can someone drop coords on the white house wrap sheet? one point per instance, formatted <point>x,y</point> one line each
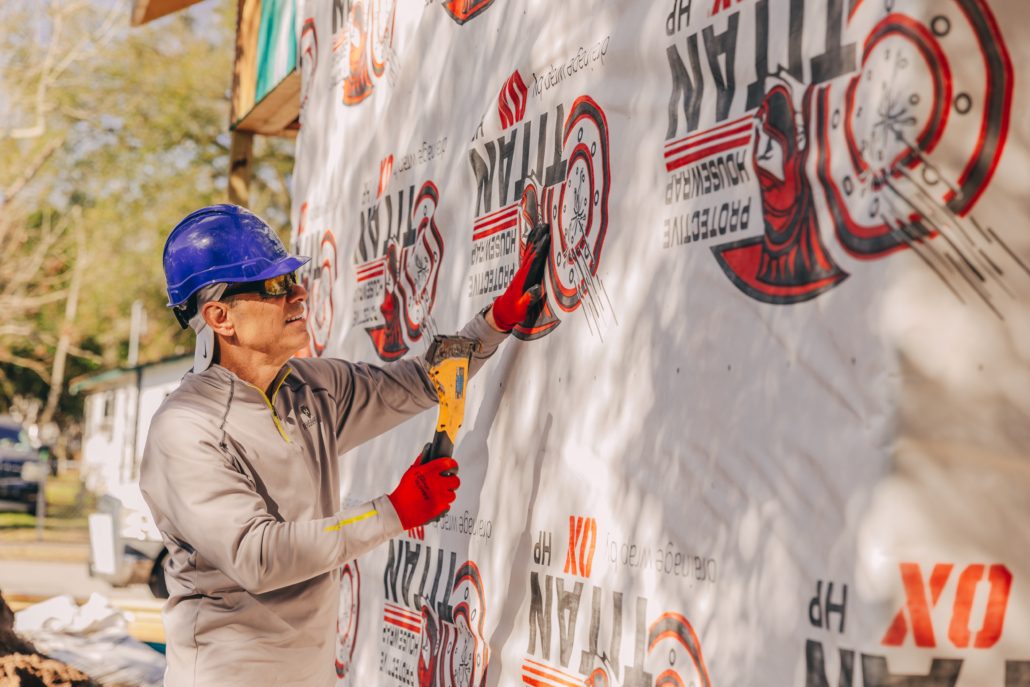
<point>771,427</point>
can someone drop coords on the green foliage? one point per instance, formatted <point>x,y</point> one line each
<point>137,121</point>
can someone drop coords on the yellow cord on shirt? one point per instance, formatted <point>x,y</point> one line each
<point>350,521</point>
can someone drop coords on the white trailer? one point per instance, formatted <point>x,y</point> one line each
<point>125,546</point>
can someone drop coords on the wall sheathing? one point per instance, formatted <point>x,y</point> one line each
<point>771,428</point>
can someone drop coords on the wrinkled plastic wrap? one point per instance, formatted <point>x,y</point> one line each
<point>771,427</point>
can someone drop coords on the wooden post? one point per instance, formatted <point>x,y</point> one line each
<point>240,153</point>
<point>245,65</point>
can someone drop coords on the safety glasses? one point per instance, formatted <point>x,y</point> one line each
<point>268,288</point>
<point>273,287</point>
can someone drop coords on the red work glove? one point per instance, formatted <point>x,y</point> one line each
<point>425,492</point>
<point>526,288</point>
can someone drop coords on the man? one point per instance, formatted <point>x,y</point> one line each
<point>241,464</point>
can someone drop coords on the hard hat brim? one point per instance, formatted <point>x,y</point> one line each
<point>285,265</point>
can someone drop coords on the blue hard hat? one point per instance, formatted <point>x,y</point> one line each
<point>222,243</point>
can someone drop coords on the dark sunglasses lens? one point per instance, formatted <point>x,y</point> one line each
<point>279,286</point>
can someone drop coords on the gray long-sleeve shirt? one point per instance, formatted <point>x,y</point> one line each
<point>245,490</point>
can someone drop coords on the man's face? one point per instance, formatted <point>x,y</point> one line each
<point>275,326</point>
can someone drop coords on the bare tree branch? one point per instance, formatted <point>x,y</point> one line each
<point>31,302</point>
<point>53,65</point>
<point>84,354</point>
<point>39,127</point>
<point>70,308</point>
<point>28,363</point>
<point>19,329</point>
<point>22,272</point>
<point>6,385</point>
<point>31,170</point>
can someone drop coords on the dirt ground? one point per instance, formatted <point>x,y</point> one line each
<point>35,670</point>
<point>21,665</point>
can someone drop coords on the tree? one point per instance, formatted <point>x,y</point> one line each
<point>112,135</point>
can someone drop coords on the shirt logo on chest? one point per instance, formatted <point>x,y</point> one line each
<point>308,418</point>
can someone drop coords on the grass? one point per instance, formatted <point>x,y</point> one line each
<point>68,506</point>
<point>16,520</point>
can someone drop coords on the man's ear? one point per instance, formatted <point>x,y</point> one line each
<point>218,318</point>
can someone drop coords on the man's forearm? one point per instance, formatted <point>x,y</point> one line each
<point>271,555</point>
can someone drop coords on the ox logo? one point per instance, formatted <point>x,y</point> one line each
<point>582,542</point>
<point>918,608</point>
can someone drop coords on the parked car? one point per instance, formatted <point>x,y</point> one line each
<point>21,466</point>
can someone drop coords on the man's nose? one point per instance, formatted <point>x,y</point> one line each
<point>298,294</point>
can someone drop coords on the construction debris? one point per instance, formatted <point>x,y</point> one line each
<point>92,638</point>
<point>22,665</point>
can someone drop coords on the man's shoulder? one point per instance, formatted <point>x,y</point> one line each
<point>302,365</point>
<point>319,372</point>
<point>176,432</point>
<point>179,422</point>
<point>185,413</point>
